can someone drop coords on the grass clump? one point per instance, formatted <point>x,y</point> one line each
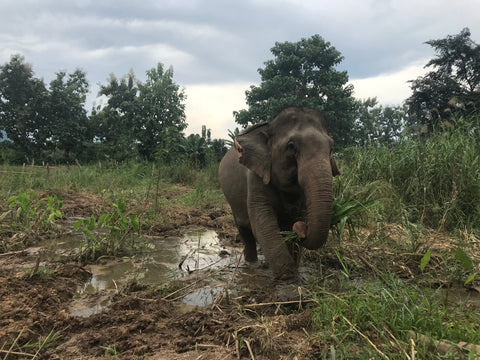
<point>380,318</point>
<point>435,179</point>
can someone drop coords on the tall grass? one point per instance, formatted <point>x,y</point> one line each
<point>103,176</point>
<point>436,180</point>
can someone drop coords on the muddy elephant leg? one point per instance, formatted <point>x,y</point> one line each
<point>250,251</point>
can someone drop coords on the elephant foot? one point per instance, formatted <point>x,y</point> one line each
<point>250,256</point>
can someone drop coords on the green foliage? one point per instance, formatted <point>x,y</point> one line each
<point>161,103</point>
<point>435,180</point>
<point>303,74</point>
<point>203,198</point>
<point>425,260</point>
<point>451,88</point>
<point>110,234</point>
<point>382,310</point>
<point>67,117</point>
<point>378,125</point>
<point>23,100</point>
<point>465,263</point>
<point>30,213</point>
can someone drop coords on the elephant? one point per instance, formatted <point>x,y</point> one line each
<point>277,177</point>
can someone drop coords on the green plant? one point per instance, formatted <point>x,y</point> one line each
<point>377,317</point>
<point>28,210</point>
<point>458,265</point>
<point>110,234</point>
<point>434,178</point>
<point>28,216</point>
<point>464,262</point>
<point>112,351</point>
<point>41,345</point>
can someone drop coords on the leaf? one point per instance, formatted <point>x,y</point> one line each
<point>101,220</point>
<point>77,224</point>
<point>463,258</point>
<point>425,260</point>
<point>135,222</point>
<point>470,278</point>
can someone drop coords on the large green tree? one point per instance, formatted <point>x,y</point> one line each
<point>66,114</point>
<point>23,101</point>
<point>303,74</point>
<point>161,106</point>
<point>139,117</point>
<point>452,87</point>
<point>115,123</point>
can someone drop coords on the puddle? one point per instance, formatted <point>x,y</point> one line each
<point>167,258</point>
<point>202,297</point>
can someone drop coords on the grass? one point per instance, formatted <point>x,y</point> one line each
<point>434,180</point>
<point>379,318</point>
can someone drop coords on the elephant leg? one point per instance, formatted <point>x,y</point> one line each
<point>250,251</point>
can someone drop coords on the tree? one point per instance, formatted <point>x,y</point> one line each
<point>140,117</point>
<point>452,87</point>
<point>303,74</point>
<point>22,108</point>
<point>161,106</point>
<point>115,123</point>
<point>196,150</point>
<point>378,125</point>
<point>67,117</point>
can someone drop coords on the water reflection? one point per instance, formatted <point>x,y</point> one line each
<point>167,258</point>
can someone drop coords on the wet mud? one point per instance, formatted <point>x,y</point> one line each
<point>189,296</point>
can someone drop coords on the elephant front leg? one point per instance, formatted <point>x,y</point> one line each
<point>250,251</point>
<point>267,232</point>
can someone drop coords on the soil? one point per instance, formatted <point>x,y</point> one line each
<point>145,322</point>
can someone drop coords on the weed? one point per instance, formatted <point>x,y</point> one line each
<point>116,240</point>
<point>41,345</point>
<point>111,351</point>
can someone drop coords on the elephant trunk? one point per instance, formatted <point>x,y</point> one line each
<point>317,186</point>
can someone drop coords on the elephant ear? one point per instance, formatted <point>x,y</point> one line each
<point>253,151</point>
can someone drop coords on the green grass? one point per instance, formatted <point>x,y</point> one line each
<point>434,180</point>
<point>102,176</point>
<point>380,316</point>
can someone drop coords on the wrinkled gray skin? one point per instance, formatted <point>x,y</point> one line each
<point>276,177</point>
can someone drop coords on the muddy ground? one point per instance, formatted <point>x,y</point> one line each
<point>38,290</point>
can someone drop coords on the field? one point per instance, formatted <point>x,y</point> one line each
<point>386,286</point>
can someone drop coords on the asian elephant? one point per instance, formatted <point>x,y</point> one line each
<point>278,177</point>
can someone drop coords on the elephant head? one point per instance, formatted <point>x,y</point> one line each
<point>293,154</point>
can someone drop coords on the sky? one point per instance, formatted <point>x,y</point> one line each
<point>216,46</point>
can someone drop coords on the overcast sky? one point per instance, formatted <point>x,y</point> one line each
<point>216,46</point>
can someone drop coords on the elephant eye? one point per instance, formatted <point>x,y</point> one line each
<point>291,147</point>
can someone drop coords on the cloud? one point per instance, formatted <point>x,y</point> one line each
<point>389,88</point>
<point>213,106</point>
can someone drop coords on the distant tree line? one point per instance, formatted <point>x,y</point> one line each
<point>146,120</point>
<point>140,120</point>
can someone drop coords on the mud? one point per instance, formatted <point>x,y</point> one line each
<point>183,300</point>
<point>190,297</point>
